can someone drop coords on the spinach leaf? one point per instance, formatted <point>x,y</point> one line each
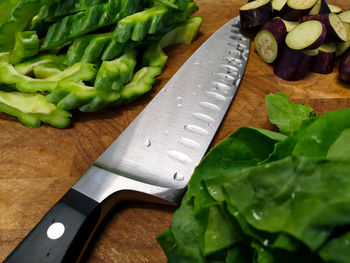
<point>337,249</point>
<point>287,115</point>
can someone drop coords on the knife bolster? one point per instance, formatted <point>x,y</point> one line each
<point>62,234</point>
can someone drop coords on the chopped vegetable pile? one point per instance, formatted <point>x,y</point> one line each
<point>263,196</point>
<point>59,55</point>
<point>299,37</point>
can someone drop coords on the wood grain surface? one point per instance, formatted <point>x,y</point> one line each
<point>37,166</point>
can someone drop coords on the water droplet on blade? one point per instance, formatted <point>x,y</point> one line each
<point>147,142</point>
<point>178,177</point>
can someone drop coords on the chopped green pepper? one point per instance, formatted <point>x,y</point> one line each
<point>183,34</point>
<point>86,21</point>
<point>26,46</point>
<point>32,108</point>
<point>77,72</point>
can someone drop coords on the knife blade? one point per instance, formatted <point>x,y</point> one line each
<point>154,158</point>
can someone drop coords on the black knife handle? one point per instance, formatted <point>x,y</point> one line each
<point>62,234</point>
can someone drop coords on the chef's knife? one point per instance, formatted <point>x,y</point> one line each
<point>154,158</point>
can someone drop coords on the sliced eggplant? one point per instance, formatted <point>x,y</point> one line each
<point>344,68</point>
<point>316,9</point>
<point>324,61</point>
<point>255,13</point>
<point>306,35</point>
<point>335,9</point>
<point>336,30</point>
<point>342,47</point>
<point>277,5</point>
<point>345,16</point>
<point>290,24</point>
<point>294,9</point>
<point>293,65</point>
<point>269,38</point>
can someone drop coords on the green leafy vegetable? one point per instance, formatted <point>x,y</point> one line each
<point>287,115</point>
<point>261,196</point>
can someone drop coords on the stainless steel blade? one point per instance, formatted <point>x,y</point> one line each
<point>162,146</point>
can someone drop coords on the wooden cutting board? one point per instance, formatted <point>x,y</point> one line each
<point>37,166</point>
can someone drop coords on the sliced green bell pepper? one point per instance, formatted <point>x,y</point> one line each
<point>26,46</point>
<point>32,108</point>
<point>154,55</point>
<point>89,20</point>
<point>77,72</point>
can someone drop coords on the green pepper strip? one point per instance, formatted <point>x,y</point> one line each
<point>19,17</point>
<point>86,21</point>
<point>32,108</point>
<point>26,46</point>
<point>77,72</point>
<point>154,56</point>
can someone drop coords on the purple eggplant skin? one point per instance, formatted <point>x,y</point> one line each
<point>324,19</point>
<point>256,17</point>
<point>291,14</point>
<point>344,68</point>
<point>277,28</point>
<point>324,62</point>
<point>292,65</point>
<point>324,8</point>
